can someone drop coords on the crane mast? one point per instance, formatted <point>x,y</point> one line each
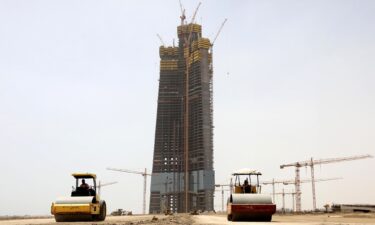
<point>182,17</point>
<point>222,193</point>
<point>144,174</point>
<point>283,193</point>
<point>286,182</point>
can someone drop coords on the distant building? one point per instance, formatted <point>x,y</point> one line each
<point>353,208</point>
<point>193,59</point>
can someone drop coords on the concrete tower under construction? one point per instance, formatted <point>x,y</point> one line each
<point>183,174</point>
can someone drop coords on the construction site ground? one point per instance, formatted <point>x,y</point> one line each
<point>308,219</point>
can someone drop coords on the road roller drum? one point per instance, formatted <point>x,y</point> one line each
<point>84,204</point>
<point>246,201</point>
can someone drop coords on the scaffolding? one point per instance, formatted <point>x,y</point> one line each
<point>182,175</point>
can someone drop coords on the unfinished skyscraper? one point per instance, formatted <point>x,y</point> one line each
<point>182,174</point>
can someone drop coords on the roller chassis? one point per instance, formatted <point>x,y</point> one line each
<point>81,206</point>
<point>249,205</point>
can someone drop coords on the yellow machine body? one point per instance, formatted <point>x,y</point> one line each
<point>75,208</point>
<point>81,205</point>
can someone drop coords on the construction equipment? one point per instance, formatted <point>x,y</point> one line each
<point>222,193</point>
<point>144,174</point>
<point>283,193</point>
<point>100,185</point>
<point>182,17</point>
<point>217,34</point>
<point>286,182</point>
<point>311,163</point>
<point>161,40</point>
<point>121,212</point>
<point>83,204</point>
<point>246,201</point>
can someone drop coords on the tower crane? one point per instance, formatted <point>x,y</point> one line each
<point>161,40</point>
<point>311,163</point>
<point>144,174</point>
<point>286,182</point>
<point>182,17</point>
<point>283,193</point>
<point>222,193</point>
<point>217,34</point>
<point>104,184</point>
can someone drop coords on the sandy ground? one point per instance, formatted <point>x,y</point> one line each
<point>110,220</point>
<point>319,219</point>
<point>217,219</point>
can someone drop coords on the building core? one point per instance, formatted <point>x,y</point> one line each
<point>183,177</point>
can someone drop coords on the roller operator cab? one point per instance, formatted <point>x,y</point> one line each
<point>84,204</point>
<point>246,201</point>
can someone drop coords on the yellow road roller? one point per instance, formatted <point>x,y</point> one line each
<point>246,201</point>
<point>84,204</point>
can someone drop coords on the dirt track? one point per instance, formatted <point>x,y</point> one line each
<point>110,220</point>
<point>320,219</point>
<point>217,219</point>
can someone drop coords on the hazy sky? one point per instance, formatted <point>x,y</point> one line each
<point>79,81</point>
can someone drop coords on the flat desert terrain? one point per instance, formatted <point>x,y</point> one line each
<point>213,219</point>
